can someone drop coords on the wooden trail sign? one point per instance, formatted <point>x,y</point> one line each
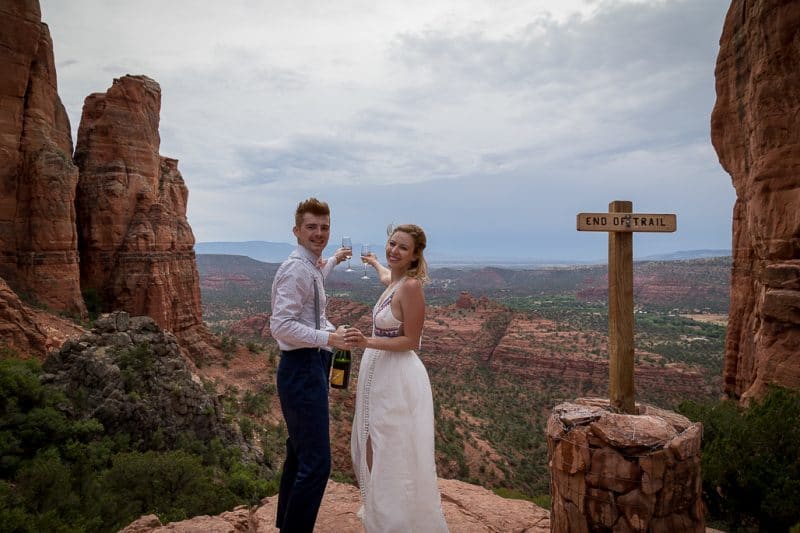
<point>626,222</point>
<point>620,223</point>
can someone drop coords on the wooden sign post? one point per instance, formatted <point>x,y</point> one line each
<point>620,223</point>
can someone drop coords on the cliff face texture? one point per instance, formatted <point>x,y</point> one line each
<point>125,218</point>
<point>38,240</point>
<point>754,128</point>
<point>18,328</point>
<point>136,246</point>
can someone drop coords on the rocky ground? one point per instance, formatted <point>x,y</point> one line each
<point>467,509</point>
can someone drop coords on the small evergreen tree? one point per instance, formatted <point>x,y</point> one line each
<point>751,460</point>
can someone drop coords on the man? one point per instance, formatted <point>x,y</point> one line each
<point>304,335</point>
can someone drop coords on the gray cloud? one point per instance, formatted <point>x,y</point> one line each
<point>492,140</point>
<point>332,160</point>
<point>621,38</point>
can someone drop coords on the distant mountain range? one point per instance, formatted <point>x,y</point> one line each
<point>276,252</point>
<point>267,252</point>
<point>686,254</point>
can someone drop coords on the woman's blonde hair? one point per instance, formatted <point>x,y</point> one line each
<point>419,267</point>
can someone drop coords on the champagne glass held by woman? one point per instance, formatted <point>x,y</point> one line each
<point>365,253</point>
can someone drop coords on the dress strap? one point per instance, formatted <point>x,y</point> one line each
<point>388,299</point>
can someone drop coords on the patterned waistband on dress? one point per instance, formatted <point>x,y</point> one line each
<point>379,332</point>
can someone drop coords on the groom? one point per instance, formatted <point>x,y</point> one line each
<point>304,335</point>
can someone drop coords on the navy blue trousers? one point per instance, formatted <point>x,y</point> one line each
<point>303,392</point>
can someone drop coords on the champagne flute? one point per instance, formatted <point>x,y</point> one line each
<point>365,251</point>
<point>347,243</point>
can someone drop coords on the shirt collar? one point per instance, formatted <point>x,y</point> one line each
<point>305,253</point>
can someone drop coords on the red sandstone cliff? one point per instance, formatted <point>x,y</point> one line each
<point>126,215</point>
<point>38,240</point>
<point>756,133</point>
<point>136,246</point>
<point>532,349</point>
<point>18,328</point>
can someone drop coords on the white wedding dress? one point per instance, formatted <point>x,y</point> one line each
<point>394,415</point>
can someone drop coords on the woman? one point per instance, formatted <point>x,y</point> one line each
<point>392,441</point>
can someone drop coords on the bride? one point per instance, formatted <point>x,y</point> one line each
<point>392,444</point>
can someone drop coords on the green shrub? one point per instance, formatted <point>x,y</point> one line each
<point>134,363</point>
<point>175,485</point>
<point>258,402</point>
<point>228,346</point>
<point>7,352</point>
<point>63,475</point>
<point>751,459</point>
<point>94,302</point>
<point>247,427</point>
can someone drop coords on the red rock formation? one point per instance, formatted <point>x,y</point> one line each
<point>536,349</point>
<point>38,241</point>
<point>754,128</point>
<point>136,246</point>
<point>513,344</point>
<point>18,328</point>
<point>465,300</point>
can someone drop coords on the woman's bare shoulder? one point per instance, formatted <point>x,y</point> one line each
<point>411,284</point>
<point>411,291</point>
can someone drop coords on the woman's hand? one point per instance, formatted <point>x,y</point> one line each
<point>354,337</point>
<point>371,259</point>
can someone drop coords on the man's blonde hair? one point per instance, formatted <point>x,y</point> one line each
<point>313,206</point>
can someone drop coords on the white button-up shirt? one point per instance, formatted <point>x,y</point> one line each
<point>293,323</point>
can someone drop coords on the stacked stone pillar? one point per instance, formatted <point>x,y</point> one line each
<point>623,473</point>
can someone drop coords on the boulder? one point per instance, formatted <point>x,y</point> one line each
<point>137,382</point>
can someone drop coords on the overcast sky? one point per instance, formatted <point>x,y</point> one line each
<point>491,123</point>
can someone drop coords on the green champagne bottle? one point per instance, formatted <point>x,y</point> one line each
<point>340,370</point>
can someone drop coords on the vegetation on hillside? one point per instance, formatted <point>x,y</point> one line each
<point>490,426</point>
<point>751,461</point>
<point>234,287</point>
<point>60,474</point>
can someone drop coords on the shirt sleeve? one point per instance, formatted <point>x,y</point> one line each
<point>330,264</point>
<point>292,288</point>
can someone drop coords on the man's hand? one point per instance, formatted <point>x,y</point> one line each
<point>341,254</point>
<point>336,339</point>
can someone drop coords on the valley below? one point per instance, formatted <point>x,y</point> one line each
<point>502,348</point>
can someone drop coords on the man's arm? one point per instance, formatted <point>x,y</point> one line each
<point>329,264</point>
<point>291,289</point>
